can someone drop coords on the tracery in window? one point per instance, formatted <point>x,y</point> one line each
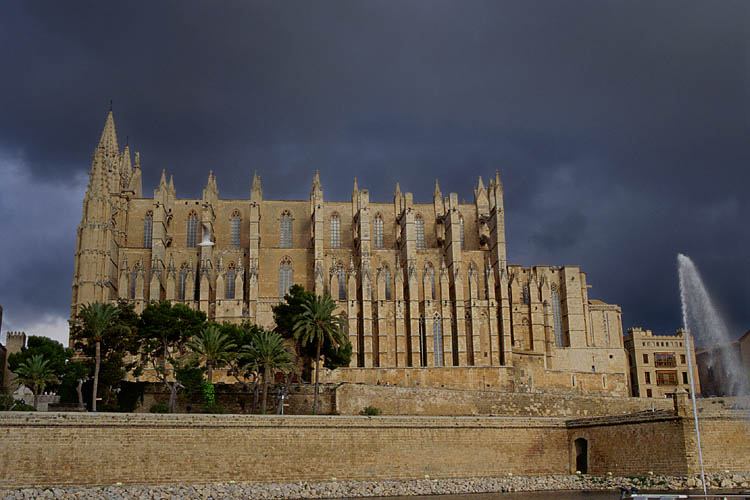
<point>192,229</point>
<point>419,229</point>
<point>285,230</point>
<point>148,229</point>
<point>234,233</point>
<point>231,276</point>
<point>335,231</point>
<point>437,339</point>
<point>378,231</point>
<point>285,276</point>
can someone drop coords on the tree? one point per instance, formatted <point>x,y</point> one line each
<point>285,315</point>
<point>240,364</point>
<point>211,347</point>
<point>318,324</point>
<point>35,373</point>
<point>163,332</point>
<point>96,318</point>
<point>268,355</point>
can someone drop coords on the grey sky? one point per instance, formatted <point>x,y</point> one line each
<point>620,129</point>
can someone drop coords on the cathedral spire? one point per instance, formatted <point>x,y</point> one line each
<point>108,140</point>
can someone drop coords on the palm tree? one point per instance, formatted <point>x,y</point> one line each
<point>96,318</point>
<point>317,324</point>
<point>211,347</point>
<point>268,355</point>
<point>35,373</point>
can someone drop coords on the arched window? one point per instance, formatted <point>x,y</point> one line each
<point>234,232</point>
<point>437,339</point>
<point>192,230</point>
<point>378,231</point>
<point>148,229</point>
<point>557,314</point>
<point>231,276</point>
<point>342,283</point>
<point>133,278</point>
<point>182,280</point>
<point>525,294</point>
<point>461,231</point>
<point>422,342</point>
<point>335,231</point>
<point>285,276</point>
<point>285,230</point>
<point>430,273</point>
<point>387,277</point>
<point>419,228</point>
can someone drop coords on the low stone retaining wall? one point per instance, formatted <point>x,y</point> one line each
<point>356,489</point>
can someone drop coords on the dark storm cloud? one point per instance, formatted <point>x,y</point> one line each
<point>619,128</point>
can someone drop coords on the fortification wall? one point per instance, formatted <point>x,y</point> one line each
<point>85,449</point>
<point>499,378</point>
<point>352,398</point>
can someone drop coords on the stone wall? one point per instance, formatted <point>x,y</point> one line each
<point>352,398</point>
<point>86,449</point>
<point>501,378</point>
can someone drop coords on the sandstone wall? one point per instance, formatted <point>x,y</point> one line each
<point>352,398</point>
<point>86,449</point>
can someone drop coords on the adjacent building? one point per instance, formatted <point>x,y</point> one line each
<point>423,285</point>
<point>659,363</point>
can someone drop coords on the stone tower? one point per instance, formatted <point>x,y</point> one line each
<point>102,231</point>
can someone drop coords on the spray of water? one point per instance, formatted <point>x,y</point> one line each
<point>703,321</point>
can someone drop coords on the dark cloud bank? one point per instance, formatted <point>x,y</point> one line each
<point>620,129</point>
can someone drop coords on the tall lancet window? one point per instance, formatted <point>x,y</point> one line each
<point>557,315</point>
<point>192,230</point>
<point>419,228</point>
<point>285,230</point>
<point>335,231</point>
<point>231,276</point>
<point>437,339</point>
<point>461,231</point>
<point>342,283</point>
<point>181,281</point>
<point>378,231</point>
<point>148,229</point>
<point>525,294</point>
<point>285,276</point>
<point>133,279</point>
<point>234,233</point>
<point>387,277</point>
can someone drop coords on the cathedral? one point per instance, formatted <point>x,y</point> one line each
<point>427,289</point>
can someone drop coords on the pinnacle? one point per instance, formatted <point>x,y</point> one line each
<point>163,179</point>
<point>437,187</point>
<point>108,140</point>
<point>356,186</point>
<point>480,185</point>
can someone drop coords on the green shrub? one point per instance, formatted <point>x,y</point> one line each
<point>159,408</point>
<point>6,401</point>
<point>23,407</point>
<point>214,408</point>
<point>370,411</point>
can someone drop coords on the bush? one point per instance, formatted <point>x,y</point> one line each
<point>23,407</point>
<point>6,401</point>
<point>370,411</point>
<point>159,408</point>
<point>214,408</point>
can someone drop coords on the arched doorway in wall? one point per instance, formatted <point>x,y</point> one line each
<point>581,450</point>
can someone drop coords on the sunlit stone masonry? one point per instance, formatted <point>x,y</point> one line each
<point>427,289</point>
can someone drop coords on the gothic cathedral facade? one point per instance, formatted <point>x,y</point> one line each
<point>423,285</point>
